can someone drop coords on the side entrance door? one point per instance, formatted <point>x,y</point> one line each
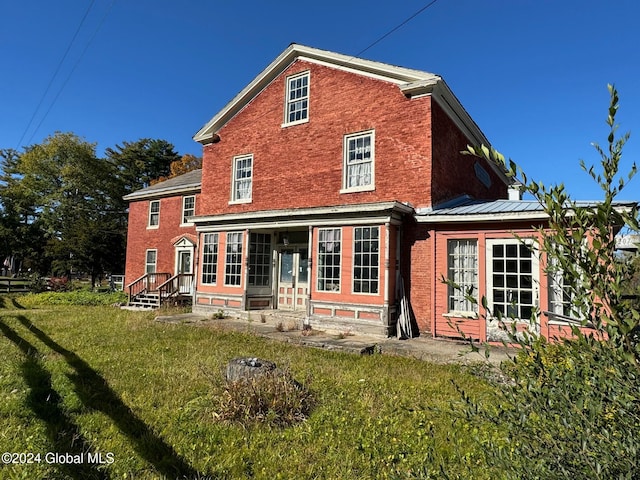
<point>293,281</point>
<point>185,266</point>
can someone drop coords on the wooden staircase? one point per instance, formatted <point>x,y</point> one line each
<point>154,290</point>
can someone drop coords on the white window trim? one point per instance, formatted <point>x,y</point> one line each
<point>339,290</point>
<point>146,261</point>
<point>535,269</point>
<point>345,150</point>
<point>183,224</point>
<point>241,263</point>
<point>234,166</point>
<point>217,258</point>
<point>286,122</point>
<point>149,226</point>
<point>463,313</point>
<point>353,267</point>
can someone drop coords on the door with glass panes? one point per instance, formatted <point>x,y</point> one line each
<point>293,281</point>
<point>512,282</point>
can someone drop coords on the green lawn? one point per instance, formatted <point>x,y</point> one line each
<point>89,380</point>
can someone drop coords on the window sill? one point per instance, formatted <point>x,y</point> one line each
<point>188,224</point>
<point>239,202</point>
<point>297,122</point>
<point>153,227</point>
<point>367,188</point>
<point>469,315</point>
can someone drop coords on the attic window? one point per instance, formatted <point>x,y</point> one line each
<point>297,100</point>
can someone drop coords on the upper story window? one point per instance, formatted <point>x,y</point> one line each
<point>358,168</point>
<point>154,213</point>
<point>242,179</point>
<point>297,101</point>
<point>188,208</point>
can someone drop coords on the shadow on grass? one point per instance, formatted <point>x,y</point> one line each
<point>45,402</point>
<point>95,393</point>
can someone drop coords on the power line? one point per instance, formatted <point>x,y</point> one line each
<point>55,73</point>
<point>396,27</point>
<point>75,65</point>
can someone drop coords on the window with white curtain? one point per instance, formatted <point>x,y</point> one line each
<point>329,259</point>
<point>462,266</point>
<point>359,162</point>
<point>242,178</point>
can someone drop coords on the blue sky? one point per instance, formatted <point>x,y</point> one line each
<point>532,74</point>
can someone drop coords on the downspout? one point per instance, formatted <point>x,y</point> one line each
<point>245,301</point>
<point>432,300</point>
<point>310,257</point>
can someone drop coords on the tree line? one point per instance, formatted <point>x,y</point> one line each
<point>61,205</point>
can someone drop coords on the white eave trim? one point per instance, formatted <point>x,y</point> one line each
<point>344,214</point>
<point>478,218</point>
<point>163,192</point>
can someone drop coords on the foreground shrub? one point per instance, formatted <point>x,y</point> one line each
<point>273,398</point>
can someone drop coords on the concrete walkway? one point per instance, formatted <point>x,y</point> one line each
<point>422,348</point>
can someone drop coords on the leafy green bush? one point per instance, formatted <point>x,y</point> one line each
<point>76,297</point>
<point>572,408</point>
<point>273,398</point>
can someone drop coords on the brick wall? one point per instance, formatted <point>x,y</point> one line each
<point>301,165</point>
<point>140,238</point>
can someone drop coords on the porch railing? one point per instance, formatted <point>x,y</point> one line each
<point>149,282</point>
<point>180,284</point>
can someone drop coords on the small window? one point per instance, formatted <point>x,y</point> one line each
<point>297,102</point>
<point>210,258</point>
<point>233,260</point>
<point>329,243</point>
<point>462,266</point>
<point>366,259</point>
<point>188,208</point>
<point>151,261</point>
<point>358,162</point>
<point>154,213</point>
<point>242,179</point>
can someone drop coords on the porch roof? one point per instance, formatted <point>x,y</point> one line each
<point>303,217</point>
<point>467,209</point>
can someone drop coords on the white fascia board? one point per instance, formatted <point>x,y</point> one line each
<point>270,225</point>
<point>166,192</point>
<point>378,70</point>
<point>344,214</point>
<point>487,217</point>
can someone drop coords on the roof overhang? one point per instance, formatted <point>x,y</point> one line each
<point>357,214</point>
<point>163,192</point>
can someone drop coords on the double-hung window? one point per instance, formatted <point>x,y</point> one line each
<point>366,268</point>
<point>210,258</point>
<point>242,179</point>
<point>188,208</point>
<point>154,213</point>
<point>358,168</point>
<point>297,100</point>
<point>233,260</point>
<point>151,261</point>
<point>462,271</point>
<point>329,257</point>
<point>259,259</point>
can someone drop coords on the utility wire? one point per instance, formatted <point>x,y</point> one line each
<point>55,73</point>
<point>75,65</point>
<point>396,28</point>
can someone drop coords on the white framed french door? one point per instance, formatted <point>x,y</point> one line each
<point>513,279</point>
<point>293,277</point>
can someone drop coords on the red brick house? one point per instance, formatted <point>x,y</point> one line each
<point>326,180</point>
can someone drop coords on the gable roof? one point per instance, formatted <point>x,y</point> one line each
<point>410,82</point>
<point>189,182</point>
